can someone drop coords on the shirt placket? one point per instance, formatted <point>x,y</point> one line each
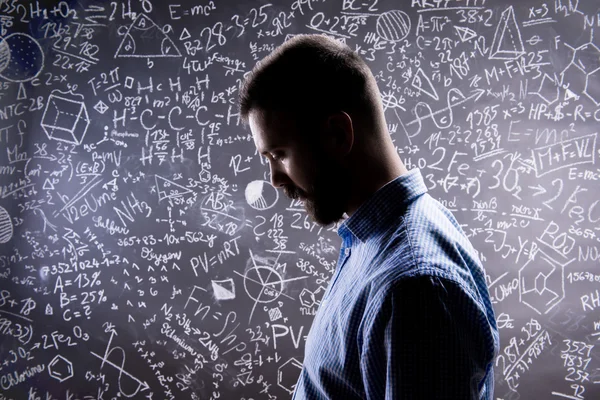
<point>343,257</point>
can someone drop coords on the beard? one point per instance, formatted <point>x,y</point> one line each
<point>327,194</point>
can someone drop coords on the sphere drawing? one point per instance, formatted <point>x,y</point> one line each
<point>6,226</point>
<point>261,195</point>
<point>393,25</point>
<point>21,58</point>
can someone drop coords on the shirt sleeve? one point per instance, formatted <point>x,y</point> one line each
<point>427,339</point>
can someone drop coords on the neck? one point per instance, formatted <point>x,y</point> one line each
<point>372,172</point>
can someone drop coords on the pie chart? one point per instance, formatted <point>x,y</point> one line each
<point>261,195</point>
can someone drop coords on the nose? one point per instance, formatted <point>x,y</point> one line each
<point>278,177</point>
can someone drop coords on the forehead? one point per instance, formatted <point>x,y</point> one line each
<point>271,129</point>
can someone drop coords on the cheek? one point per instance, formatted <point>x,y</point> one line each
<point>300,175</point>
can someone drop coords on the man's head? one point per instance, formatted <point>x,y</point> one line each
<point>313,107</point>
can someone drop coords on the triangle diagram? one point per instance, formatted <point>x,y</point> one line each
<point>185,34</point>
<point>421,81</point>
<point>167,189</point>
<point>507,43</point>
<point>22,95</point>
<point>570,95</point>
<point>464,33</point>
<point>48,185</point>
<point>146,39</point>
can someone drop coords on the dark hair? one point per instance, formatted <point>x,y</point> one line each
<point>311,76</point>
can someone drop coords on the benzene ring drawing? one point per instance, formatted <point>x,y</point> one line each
<point>60,368</point>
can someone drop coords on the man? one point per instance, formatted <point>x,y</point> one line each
<point>407,313</point>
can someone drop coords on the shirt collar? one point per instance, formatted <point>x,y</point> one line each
<point>379,210</point>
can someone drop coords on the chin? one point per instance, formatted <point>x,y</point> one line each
<point>321,216</point>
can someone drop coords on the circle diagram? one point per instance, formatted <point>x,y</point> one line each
<point>261,195</point>
<point>263,284</point>
<point>393,25</point>
<point>21,57</point>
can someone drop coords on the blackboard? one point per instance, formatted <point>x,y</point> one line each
<point>144,254</point>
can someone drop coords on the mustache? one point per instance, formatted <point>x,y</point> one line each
<point>293,192</point>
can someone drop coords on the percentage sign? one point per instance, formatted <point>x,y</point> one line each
<point>101,297</point>
<point>95,280</point>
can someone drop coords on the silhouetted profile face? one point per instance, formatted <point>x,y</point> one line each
<point>299,164</point>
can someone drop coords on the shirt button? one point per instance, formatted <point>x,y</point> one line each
<point>347,251</point>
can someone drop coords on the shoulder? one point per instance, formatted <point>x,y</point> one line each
<point>431,227</point>
<point>429,242</point>
<point>439,245</point>
<point>427,238</point>
<point>429,299</point>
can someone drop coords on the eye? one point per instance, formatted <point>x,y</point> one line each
<point>277,156</point>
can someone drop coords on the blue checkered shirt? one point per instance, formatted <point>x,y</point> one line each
<point>407,313</point>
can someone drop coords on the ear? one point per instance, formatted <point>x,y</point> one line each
<point>340,134</point>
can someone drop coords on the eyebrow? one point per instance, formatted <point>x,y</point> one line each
<point>269,149</point>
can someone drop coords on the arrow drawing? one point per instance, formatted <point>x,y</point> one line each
<point>141,385</point>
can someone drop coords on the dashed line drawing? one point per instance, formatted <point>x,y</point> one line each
<point>170,219</point>
<point>60,368</point>
<point>393,25</point>
<point>422,82</point>
<point>65,118</point>
<point>6,226</point>
<point>146,39</point>
<point>21,58</point>
<point>261,195</point>
<point>507,43</point>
